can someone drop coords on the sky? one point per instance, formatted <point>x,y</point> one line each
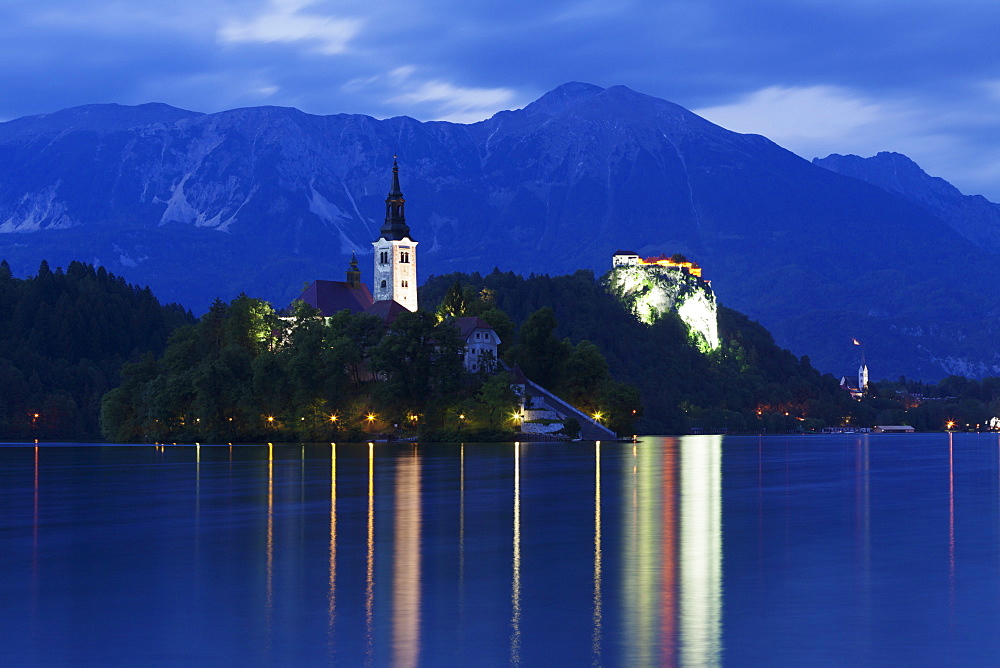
<point>920,77</point>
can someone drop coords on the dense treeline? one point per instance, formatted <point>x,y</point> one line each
<point>579,373</point>
<point>749,384</point>
<point>64,336</point>
<point>244,374</point>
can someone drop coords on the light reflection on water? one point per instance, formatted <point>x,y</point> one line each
<point>676,551</point>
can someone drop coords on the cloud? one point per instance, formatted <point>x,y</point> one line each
<point>457,104</point>
<point>946,139</point>
<point>802,116</point>
<point>433,99</point>
<point>286,22</point>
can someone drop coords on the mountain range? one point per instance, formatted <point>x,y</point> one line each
<point>262,200</point>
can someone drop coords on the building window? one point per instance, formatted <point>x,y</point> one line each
<point>405,284</point>
<point>404,256</point>
<point>477,335</point>
<point>384,258</point>
<point>383,284</point>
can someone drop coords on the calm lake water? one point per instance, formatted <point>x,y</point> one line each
<point>697,550</point>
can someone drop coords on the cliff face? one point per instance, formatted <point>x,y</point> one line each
<point>650,291</point>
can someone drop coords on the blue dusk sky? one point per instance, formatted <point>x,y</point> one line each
<point>920,77</point>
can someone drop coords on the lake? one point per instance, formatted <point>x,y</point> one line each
<point>695,550</point>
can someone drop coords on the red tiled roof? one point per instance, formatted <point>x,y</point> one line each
<point>469,324</point>
<point>334,296</point>
<point>386,309</point>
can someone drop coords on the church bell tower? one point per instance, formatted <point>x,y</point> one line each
<point>395,276</point>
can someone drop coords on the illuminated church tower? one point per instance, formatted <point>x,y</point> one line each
<point>863,376</point>
<point>395,276</point>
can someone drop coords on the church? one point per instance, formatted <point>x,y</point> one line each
<point>394,283</point>
<point>395,271</point>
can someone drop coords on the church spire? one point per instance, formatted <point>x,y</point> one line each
<point>395,227</point>
<point>353,273</point>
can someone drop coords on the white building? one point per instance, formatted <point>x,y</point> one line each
<point>624,257</point>
<point>395,276</point>
<point>481,342</point>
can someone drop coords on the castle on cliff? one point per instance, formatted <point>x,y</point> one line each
<point>652,286</point>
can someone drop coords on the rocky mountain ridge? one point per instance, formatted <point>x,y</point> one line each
<point>261,200</point>
<point>973,216</point>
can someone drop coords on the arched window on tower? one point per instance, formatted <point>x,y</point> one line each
<point>383,284</point>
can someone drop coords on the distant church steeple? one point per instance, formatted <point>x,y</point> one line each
<point>395,252</point>
<point>863,372</point>
<point>353,273</point>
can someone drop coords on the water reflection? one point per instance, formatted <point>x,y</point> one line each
<point>461,533</point>
<point>34,546</point>
<point>370,562</point>
<point>668,557</point>
<point>862,513</point>
<point>331,610</point>
<point>406,564</point>
<point>515,588</point>
<point>951,520</point>
<point>672,589</point>
<point>701,550</point>
<point>850,550</point>
<point>269,568</point>
<point>595,642</point>
<point>642,556</point>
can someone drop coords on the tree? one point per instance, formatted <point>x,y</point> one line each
<point>539,353</point>
<point>497,399</point>
<point>454,304</point>
<point>419,361</point>
<point>584,374</point>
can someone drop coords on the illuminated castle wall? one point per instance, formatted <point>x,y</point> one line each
<point>653,286</point>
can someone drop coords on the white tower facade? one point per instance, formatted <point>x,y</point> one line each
<point>863,377</point>
<point>395,275</point>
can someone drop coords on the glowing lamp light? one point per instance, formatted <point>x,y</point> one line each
<point>951,424</point>
<point>371,417</point>
<point>462,416</point>
<point>598,416</point>
<point>333,418</point>
<point>270,418</point>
